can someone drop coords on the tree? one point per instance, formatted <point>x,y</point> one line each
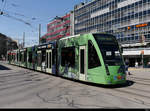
<point>6,43</point>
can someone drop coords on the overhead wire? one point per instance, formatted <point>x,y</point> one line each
<point>14,5</point>
<point>21,17</point>
<point>9,14</point>
<point>18,19</point>
<point>16,16</point>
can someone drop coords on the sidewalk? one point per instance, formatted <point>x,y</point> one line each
<point>3,62</point>
<point>139,68</point>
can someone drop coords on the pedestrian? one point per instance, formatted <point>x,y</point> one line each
<point>148,64</point>
<point>136,64</point>
<point>127,66</point>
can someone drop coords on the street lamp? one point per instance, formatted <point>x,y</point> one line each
<point>142,54</point>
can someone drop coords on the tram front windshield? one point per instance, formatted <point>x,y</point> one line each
<point>109,49</point>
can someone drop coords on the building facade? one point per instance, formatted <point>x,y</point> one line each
<point>59,27</point>
<point>128,20</point>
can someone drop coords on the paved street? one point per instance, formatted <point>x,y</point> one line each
<point>23,88</point>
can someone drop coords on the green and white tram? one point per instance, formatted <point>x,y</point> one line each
<point>94,58</point>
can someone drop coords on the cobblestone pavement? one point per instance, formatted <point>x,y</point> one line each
<point>23,88</point>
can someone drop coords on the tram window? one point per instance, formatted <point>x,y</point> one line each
<point>50,60</point>
<point>109,49</point>
<point>7,57</point>
<point>43,56</point>
<point>17,57</point>
<point>82,61</point>
<point>53,56</point>
<point>20,57</point>
<point>39,59</point>
<point>35,57</point>
<point>30,57</point>
<point>25,56</point>
<point>13,57</point>
<point>46,60</point>
<point>10,57</point>
<point>93,60</point>
<point>68,56</point>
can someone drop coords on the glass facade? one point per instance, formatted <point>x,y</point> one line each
<point>128,20</point>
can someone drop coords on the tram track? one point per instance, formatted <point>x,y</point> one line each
<point>10,73</point>
<point>135,94</point>
<point>28,94</point>
<point>130,94</point>
<point>17,74</point>
<point>141,81</point>
<point>138,78</point>
<point>135,100</point>
<point>138,94</point>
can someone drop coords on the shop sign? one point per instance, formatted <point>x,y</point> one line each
<point>141,25</point>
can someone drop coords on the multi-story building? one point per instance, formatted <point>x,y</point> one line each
<point>128,20</point>
<point>59,27</point>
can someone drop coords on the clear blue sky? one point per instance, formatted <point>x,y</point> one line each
<point>33,12</point>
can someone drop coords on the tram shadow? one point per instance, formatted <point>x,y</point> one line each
<point>128,83</point>
<point>4,68</point>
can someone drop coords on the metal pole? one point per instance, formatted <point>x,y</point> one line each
<point>142,61</point>
<point>7,50</point>
<point>18,44</point>
<point>142,52</point>
<point>23,39</point>
<point>39,33</point>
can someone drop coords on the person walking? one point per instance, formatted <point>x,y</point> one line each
<point>148,64</point>
<point>127,66</point>
<point>136,64</point>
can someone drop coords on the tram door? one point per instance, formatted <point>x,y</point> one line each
<point>49,61</point>
<point>39,53</point>
<point>82,63</point>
